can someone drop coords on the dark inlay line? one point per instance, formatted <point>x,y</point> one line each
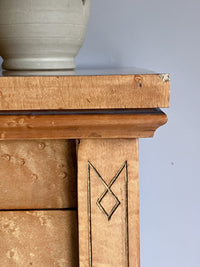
<point>155,111</point>
<point>53,209</point>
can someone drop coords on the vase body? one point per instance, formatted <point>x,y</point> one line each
<point>42,34</point>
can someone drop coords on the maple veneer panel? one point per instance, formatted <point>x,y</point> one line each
<point>37,174</point>
<point>112,239</point>
<point>84,92</point>
<point>38,238</point>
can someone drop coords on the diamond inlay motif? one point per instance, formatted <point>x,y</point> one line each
<point>107,191</point>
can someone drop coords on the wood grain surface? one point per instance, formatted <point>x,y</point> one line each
<point>81,126</point>
<point>37,174</point>
<point>84,92</point>
<point>38,238</point>
<point>108,241</point>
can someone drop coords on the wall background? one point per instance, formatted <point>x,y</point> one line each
<point>164,37</point>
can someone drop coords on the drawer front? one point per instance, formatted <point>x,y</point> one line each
<point>38,238</point>
<point>37,174</point>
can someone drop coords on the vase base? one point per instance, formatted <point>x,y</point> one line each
<point>38,63</point>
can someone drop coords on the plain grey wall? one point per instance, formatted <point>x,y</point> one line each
<point>163,36</point>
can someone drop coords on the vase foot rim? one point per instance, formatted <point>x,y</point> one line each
<point>38,63</point>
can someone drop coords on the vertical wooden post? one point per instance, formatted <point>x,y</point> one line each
<point>108,203</point>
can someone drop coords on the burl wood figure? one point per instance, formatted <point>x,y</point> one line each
<point>69,183</point>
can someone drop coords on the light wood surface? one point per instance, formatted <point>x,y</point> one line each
<point>38,238</point>
<point>106,113</point>
<point>81,126</point>
<point>113,241</point>
<point>84,92</point>
<point>37,174</point>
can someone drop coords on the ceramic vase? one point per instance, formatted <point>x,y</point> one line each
<point>42,34</point>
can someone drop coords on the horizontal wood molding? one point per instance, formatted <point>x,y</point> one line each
<point>135,124</point>
<point>84,92</point>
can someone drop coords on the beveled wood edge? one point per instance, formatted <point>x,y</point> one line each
<point>80,126</point>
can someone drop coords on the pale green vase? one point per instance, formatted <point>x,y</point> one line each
<point>42,34</point>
